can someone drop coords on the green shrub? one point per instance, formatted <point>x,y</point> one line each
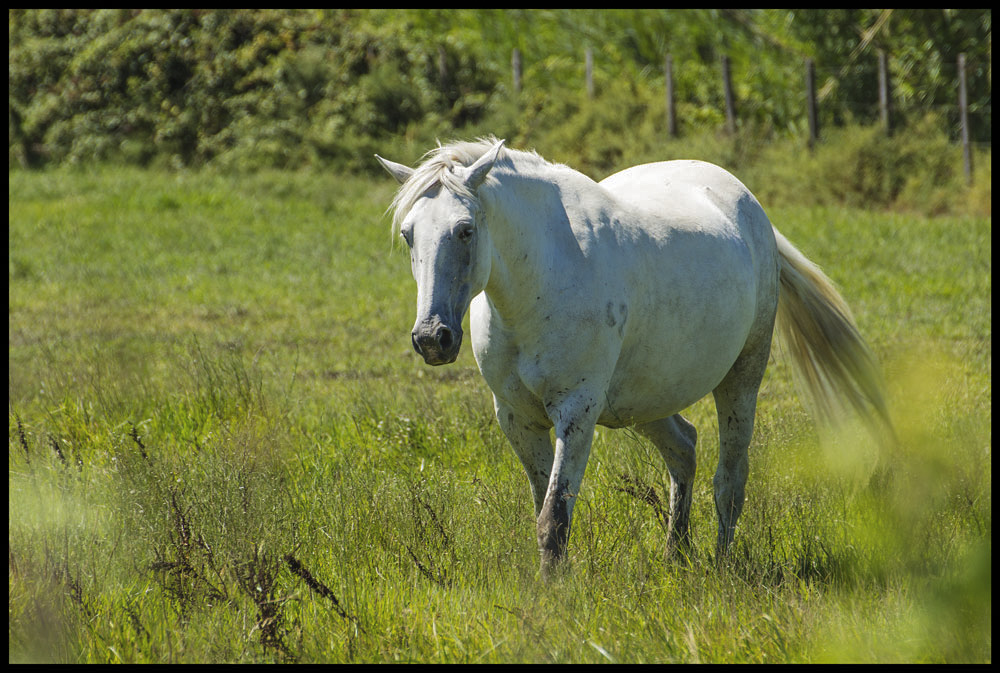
<point>250,89</point>
<point>240,87</point>
<point>917,168</point>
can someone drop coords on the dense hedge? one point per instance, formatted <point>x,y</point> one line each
<point>241,87</point>
<point>326,88</point>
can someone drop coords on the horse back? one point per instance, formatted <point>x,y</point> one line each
<point>674,198</point>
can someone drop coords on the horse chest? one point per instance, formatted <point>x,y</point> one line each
<point>529,367</point>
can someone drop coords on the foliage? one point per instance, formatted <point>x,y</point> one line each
<point>922,46</point>
<point>919,171</point>
<point>245,88</point>
<point>282,88</point>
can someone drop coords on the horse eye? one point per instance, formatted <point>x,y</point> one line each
<point>407,237</point>
<point>466,232</point>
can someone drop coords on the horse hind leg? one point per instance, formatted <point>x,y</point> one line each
<point>675,439</point>
<point>736,406</point>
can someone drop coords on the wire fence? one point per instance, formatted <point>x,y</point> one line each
<point>863,87</point>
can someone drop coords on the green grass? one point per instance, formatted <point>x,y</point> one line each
<point>222,448</point>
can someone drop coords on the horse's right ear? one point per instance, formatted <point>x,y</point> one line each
<point>477,171</point>
<point>398,171</point>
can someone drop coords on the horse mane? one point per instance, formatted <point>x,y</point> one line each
<point>438,167</point>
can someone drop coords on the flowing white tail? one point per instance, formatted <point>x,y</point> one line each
<point>817,330</point>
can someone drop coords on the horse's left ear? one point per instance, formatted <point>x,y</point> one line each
<point>398,171</point>
<point>479,170</point>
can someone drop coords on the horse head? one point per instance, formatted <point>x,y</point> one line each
<point>449,246</point>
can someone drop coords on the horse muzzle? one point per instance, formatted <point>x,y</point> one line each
<point>437,343</point>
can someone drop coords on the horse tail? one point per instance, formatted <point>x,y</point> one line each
<point>816,329</point>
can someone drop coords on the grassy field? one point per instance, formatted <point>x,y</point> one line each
<point>221,448</point>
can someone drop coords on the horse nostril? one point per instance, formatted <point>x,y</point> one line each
<point>435,342</point>
<point>445,338</point>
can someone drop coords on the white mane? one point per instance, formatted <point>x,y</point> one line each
<point>438,169</point>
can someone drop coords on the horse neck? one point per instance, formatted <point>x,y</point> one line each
<point>526,218</point>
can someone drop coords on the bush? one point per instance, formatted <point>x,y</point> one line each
<point>917,168</point>
<point>242,88</point>
<point>248,89</point>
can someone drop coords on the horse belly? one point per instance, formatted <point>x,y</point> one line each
<point>660,389</point>
<point>683,340</point>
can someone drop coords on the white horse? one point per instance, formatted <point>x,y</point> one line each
<point>620,303</point>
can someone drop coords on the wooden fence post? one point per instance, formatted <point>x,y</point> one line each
<point>668,70</point>
<point>811,110</point>
<point>589,67</point>
<point>442,64</point>
<point>963,114</point>
<point>727,84</point>
<point>515,66</point>
<point>883,91</point>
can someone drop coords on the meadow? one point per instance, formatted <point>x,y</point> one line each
<point>222,448</point>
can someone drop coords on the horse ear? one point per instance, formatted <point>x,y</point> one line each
<point>398,171</point>
<point>479,170</point>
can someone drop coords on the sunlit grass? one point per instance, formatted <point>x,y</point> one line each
<point>221,448</point>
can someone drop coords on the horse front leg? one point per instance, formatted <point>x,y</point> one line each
<point>574,425</point>
<point>533,447</point>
